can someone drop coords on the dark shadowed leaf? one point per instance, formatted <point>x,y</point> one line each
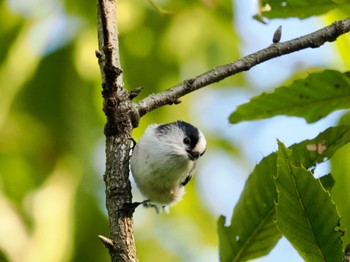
<point>327,181</point>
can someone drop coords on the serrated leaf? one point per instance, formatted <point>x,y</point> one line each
<point>305,213</point>
<point>340,168</point>
<point>252,231</point>
<point>311,152</point>
<point>298,8</point>
<point>311,98</point>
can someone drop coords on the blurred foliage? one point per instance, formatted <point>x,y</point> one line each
<point>51,122</point>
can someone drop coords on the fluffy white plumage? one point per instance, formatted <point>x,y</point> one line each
<point>164,159</point>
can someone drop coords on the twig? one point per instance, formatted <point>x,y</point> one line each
<point>313,40</point>
<point>108,243</point>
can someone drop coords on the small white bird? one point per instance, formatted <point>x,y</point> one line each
<point>164,159</point>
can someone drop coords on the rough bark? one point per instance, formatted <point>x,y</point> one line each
<point>117,107</point>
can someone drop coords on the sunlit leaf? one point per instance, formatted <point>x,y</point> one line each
<point>252,231</point>
<point>13,74</point>
<point>305,213</point>
<point>311,98</point>
<point>10,29</point>
<point>340,168</point>
<point>342,44</point>
<point>298,8</point>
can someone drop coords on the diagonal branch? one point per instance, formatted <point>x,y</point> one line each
<point>313,40</point>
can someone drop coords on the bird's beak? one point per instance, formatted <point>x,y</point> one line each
<point>193,155</point>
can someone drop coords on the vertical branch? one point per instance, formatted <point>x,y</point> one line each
<point>118,110</point>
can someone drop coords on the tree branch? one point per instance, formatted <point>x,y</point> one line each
<point>313,40</point>
<point>119,113</point>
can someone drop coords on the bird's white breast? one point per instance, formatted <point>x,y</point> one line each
<point>159,171</point>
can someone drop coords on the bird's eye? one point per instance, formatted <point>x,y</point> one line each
<point>187,141</point>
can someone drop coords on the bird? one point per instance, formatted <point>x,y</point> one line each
<point>164,160</point>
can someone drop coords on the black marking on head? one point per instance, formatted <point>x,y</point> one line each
<point>191,133</point>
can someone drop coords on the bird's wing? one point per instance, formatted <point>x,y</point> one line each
<point>188,178</point>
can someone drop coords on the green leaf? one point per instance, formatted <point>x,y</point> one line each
<point>298,8</point>
<point>314,151</point>
<point>252,231</point>
<point>306,215</point>
<point>341,194</point>
<point>311,98</point>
